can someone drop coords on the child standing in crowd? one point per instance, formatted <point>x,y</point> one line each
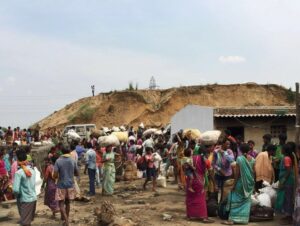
<point>223,157</point>
<point>99,165</point>
<point>151,171</point>
<point>188,167</point>
<point>252,152</point>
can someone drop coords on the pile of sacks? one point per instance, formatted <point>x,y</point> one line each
<point>263,203</point>
<point>266,196</point>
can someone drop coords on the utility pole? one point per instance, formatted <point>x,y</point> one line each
<point>297,140</point>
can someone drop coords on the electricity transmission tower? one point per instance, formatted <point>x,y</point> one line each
<point>153,83</point>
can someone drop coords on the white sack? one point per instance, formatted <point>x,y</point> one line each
<point>122,136</point>
<point>268,189</point>
<point>122,128</point>
<point>38,181</point>
<point>254,201</point>
<point>132,138</point>
<point>115,129</point>
<point>149,132</point>
<point>210,137</point>
<point>110,140</point>
<point>264,200</point>
<point>161,181</point>
<point>73,135</point>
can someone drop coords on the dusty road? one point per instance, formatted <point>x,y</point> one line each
<point>144,208</point>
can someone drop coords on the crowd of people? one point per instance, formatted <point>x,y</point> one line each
<point>198,169</point>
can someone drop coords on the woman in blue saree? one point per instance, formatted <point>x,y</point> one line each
<point>239,200</point>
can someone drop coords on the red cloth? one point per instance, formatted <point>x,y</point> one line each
<point>3,171</point>
<point>287,162</point>
<point>99,157</point>
<point>196,201</point>
<point>149,160</point>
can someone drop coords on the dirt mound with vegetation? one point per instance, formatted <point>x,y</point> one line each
<point>156,107</point>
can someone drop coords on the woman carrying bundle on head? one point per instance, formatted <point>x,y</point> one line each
<point>109,172</point>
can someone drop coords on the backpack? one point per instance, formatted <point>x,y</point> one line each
<point>141,164</point>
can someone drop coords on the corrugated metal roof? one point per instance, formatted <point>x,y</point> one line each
<point>243,112</point>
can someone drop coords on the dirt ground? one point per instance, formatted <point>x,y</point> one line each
<point>142,207</point>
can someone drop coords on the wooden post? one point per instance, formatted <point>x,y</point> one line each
<point>297,140</point>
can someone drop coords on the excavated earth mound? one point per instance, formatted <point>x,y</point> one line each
<point>156,107</point>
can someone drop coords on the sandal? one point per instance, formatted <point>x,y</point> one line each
<point>207,221</point>
<point>228,223</point>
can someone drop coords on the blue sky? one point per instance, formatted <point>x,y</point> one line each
<point>52,51</point>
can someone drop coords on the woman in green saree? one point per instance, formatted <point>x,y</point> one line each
<point>109,172</point>
<point>285,195</point>
<point>239,200</point>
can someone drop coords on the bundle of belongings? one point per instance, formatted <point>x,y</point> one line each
<point>6,192</point>
<point>262,208</point>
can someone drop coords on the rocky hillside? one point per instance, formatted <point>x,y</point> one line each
<point>156,107</point>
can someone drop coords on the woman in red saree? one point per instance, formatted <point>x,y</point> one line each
<point>50,189</point>
<point>196,201</point>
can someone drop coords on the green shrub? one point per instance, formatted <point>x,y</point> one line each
<point>290,96</point>
<point>83,115</point>
<point>130,88</point>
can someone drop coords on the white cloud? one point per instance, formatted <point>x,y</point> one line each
<point>231,59</point>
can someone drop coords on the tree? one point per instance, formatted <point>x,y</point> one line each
<point>130,88</point>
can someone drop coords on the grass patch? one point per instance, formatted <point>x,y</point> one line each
<point>83,115</point>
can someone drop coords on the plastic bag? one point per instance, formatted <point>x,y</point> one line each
<point>38,181</point>
<point>264,200</point>
<point>161,181</point>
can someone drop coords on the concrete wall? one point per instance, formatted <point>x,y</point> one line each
<point>38,154</point>
<point>193,117</point>
<point>255,128</point>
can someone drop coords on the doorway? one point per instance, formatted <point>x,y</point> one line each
<point>237,131</point>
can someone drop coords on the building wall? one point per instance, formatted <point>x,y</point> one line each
<point>255,128</point>
<point>193,117</point>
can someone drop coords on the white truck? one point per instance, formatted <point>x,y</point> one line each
<point>83,130</point>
